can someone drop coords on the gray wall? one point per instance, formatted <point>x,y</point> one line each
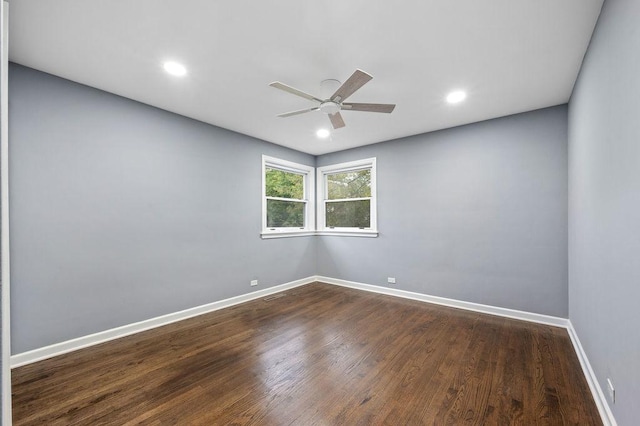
<point>604,205</point>
<point>476,213</point>
<point>121,212</point>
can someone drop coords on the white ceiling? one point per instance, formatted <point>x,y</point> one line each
<point>509,55</point>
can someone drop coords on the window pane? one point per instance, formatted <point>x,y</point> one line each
<point>285,214</point>
<point>349,214</point>
<point>355,184</point>
<point>284,184</point>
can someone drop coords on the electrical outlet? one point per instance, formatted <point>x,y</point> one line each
<point>612,391</point>
<point>254,283</point>
<point>391,280</point>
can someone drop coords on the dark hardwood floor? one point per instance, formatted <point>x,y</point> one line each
<point>319,355</point>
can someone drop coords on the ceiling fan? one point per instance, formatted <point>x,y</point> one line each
<point>334,104</point>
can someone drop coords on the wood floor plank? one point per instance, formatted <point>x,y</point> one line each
<point>319,355</point>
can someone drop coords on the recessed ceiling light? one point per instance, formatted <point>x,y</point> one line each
<point>455,97</point>
<point>175,68</point>
<point>323,133</point>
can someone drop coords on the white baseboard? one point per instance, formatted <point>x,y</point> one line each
<point>592,380</point>
<point>126,330</point>
<point>469,306</point>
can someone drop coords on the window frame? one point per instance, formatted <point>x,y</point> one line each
<point>308,198</point>
<point>350,166</point>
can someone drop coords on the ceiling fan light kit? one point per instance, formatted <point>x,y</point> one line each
<point>329,107</point>
<point>335,103</point>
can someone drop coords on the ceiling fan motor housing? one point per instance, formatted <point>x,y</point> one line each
<point>329,107</point>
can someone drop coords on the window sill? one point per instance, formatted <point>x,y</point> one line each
<point>350,233</point>
<point>286,234</point>
<point>289,234</point>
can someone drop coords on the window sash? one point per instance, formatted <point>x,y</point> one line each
<point>345,211</point>
<point>334,172</point>
<point>293,172</point>
<point>288,200</point>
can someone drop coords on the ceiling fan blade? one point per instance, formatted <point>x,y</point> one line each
<point>294,91</point>
<point>369,107</point>
<point>300,111</point>
<point>336,120</point>
<point>358,79</point>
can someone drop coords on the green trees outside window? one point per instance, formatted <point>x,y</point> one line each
<point>285,199</point>
<point>348,203</point>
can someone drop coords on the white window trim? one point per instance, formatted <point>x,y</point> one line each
<point>322,191</point>
<point>309,194</point>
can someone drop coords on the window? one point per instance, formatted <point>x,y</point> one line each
<point>347,198</point>
<point>287,198</point>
